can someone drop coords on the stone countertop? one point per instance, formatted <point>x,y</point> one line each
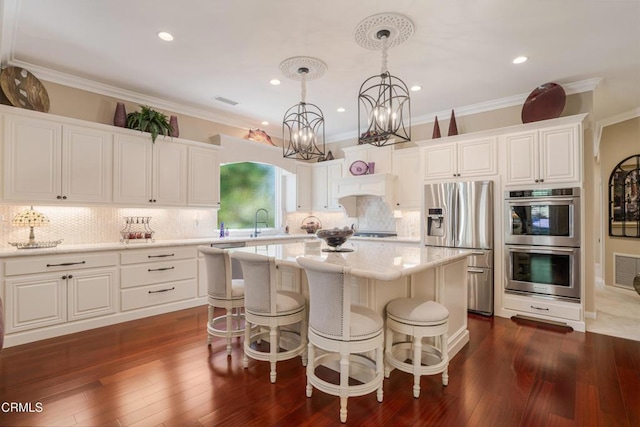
<point>368,259</point>
<point>116,246</point>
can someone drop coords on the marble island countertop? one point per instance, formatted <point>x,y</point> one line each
<point>368,259</point>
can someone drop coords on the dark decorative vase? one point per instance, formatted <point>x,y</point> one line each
<point>120,116</point>
<point>436,129</point>
<point>175,130</point>
<point>453,127</point>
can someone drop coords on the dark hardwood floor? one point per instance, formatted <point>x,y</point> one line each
<point>159,372</point>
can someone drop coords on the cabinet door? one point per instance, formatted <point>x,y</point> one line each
<point>91,293</point>
<point>86,165</point>
<point>478,157</point>
<point>440,161</point>
<point>522,158</point>
<point>35,301</point>
<point>303,187</point>
<point>560,155</point>
<point>382,157</point>
<point>132,169</point>
<point>409,184</point>
<point>204,177</point>
<point>334,172</point>
<point>319,188</point>
<point>32,159</point>
<point>170,173</point>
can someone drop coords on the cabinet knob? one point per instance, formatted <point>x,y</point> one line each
<point>150,200</point>
<point>64,197</point>
<point>542,180</point>
<point>537,180</point>
<point>71,276</point>
<point>58,197</point>
<point>154,200</point>
<point>64,277</point>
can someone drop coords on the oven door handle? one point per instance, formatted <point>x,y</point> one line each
<point>540,249</point>
<point>541,201</point>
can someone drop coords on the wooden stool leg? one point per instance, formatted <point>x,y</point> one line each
<point>417,363</point>
<point>388,347</point>
<point>379,368</point>
<point>210,317</point>
<point>229,318</point>
<point>247,343</point>
<point>310,367</point>
<point>273,350</point>
<point>445,354</point>
<point>344,385</point>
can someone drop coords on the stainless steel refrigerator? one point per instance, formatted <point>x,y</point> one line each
<point>460,215</point>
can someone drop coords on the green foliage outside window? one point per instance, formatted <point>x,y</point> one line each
<point>245,188</point>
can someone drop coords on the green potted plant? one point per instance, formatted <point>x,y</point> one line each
<point>149,120</point>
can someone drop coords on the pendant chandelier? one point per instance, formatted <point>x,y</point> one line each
<point>384,105</point>
<point>303,124</point>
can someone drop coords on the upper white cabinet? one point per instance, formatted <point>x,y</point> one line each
<point>149,173</point>
<point>367,153</point>
<point>204,177</point>
<point>406,165</point>
<point>323,185</point>
<point>550,155</point>
<point>303,187</point>
<point>471,158</point>
<point>46,161</point>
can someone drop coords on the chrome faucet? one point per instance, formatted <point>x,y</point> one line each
<point>265,222</point>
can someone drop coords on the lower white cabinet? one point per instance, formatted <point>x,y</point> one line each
<point>70,290</point>
<point>543,308</point>
<point>157,276</point>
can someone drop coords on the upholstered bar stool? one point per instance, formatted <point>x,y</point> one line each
<point>343,333</point>
<point>224,292</point>
<point>271,310</point>
<point>417,319</point>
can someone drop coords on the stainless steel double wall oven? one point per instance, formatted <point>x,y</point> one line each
<point>542,242</point>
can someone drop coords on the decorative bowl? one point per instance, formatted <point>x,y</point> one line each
<point>311,224</point>
<point>335,237</point>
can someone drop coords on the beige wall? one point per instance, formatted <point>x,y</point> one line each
<point>618,142</point>
<point>79,104</point>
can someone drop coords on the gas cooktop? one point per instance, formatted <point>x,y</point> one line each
<point>380,234</point>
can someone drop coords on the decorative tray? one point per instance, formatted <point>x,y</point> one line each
<point>36,245</point>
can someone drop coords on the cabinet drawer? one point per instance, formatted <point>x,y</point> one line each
<point>157,272</point>
<point>45,264</point>
<point>563,310</point>
<point>147,296</point>
<point>157,254</point>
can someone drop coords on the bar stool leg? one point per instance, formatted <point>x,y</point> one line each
<point>445,353</point>
<point>247,342</point>
<point>379,365</point>
<point>388,346</point>
<point>273,350</point>
<point>210,317</point>
<point>417,363</point>
<point>344,384</point>
<point>310,368</point>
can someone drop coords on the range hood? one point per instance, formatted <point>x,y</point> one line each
<point>378,185</point>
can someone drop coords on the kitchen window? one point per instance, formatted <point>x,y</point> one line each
<point>244,188</point>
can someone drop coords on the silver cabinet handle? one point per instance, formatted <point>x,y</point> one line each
<point>475,270</point>
<point>162,290</point>
<point>161,269</point>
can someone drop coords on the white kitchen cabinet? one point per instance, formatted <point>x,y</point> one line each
<point>461,159</point>
<point>303,187</point>
<point>47,161</point>
<point>149,173</point>
<point>550,155</point>
<point>409,182</point>
<point>151,277</point>
<point>204,177</point>
<point>381,156</point>
<point>324,186</point>
<point>48,290</point>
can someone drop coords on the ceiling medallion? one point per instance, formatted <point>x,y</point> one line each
<point>303,124</point>
<point>384,105</point>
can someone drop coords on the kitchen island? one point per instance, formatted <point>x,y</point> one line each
<point>381,273</point>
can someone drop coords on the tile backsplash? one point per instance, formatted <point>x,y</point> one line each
<point>83,225</point>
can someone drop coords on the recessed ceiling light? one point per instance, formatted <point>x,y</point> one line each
<point>165,36</point>
<point>340,110</point>
<point>520,59</point>
<point>264,123</point>
<point>416,88</point>
<point>275,82</point>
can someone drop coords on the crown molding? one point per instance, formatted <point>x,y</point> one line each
<point>609,121</point>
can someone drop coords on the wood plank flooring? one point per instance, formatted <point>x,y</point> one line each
<point>159,372</point>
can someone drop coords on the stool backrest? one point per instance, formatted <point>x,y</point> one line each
<point>259,273</point>
<point>218,268</point>
<point>329,298</point>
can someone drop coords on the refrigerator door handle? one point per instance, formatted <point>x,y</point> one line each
<point>475,270</point>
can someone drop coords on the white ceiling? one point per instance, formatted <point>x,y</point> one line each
<point>460,53</point>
